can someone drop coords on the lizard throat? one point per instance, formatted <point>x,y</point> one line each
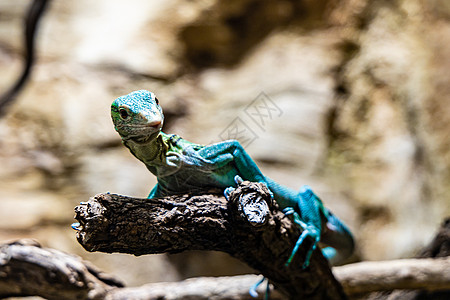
<point>150,149</point>
<point>141,139</point>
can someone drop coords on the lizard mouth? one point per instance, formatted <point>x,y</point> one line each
<point>156,124</point>
<point>140,133</point>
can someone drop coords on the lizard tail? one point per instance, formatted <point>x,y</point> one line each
<point>337,236</point>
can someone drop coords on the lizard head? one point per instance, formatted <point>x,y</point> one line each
<point>137,116</point>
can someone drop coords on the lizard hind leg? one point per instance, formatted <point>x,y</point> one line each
<point>254,293</point>
<point>338,237</point>
<point>308,218</point>
<point>308,230</point>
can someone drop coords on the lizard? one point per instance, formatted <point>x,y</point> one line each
<point>182,166</point>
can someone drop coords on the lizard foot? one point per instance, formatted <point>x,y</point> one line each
<point>228,191</point>
<point>308,230</point>
<point>330,253</point>
<point>253,291</point>
<point>238,180</point>
<point>76,226</point>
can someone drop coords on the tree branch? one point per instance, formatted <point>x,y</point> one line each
<point>248,226</point>
<point>439,247</point>
<point>199,288</point>
<point>410,274</point>
<point>26,269</point>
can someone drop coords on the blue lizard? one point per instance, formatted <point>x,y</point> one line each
<point>181,166</point>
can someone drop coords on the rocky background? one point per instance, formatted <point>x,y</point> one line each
<point>351,97</point>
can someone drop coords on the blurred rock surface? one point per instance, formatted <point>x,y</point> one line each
<point>353,99</point>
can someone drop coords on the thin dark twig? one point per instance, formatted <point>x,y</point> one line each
<point>32,18</point>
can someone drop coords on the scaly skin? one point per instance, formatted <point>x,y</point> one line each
<point>181,166</point>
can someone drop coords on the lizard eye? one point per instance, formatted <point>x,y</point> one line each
<point>157,101</point>
<point>123,113</point>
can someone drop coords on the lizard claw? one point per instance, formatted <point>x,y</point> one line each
<point>238,179</point>
<point>270,192</point>
<point>228,191</point>
<point>288,211</point>
<point>253,291</point>
<point>76,226</point>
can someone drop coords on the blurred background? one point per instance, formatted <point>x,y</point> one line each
<point>351,97</point>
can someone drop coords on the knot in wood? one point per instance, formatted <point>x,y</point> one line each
<point>252,201</point>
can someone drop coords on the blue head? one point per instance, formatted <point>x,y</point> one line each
<point>137,116</point>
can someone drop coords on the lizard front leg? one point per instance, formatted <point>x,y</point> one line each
<point>155,192</point>
<point>307,203</point>
<point>230,155</point>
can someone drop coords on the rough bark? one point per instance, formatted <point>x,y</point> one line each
<point>26,269</point>
<point>249,227</point>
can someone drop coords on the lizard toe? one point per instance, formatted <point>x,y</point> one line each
<point>238,179</point>
<point>76,226</point>
<point>228,191</point>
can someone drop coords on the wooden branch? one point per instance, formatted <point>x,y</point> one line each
<point>26,269</point>
<point>439,247</point>
<point>199,288</point>
<point>411,274</point>
<point>248,226</point>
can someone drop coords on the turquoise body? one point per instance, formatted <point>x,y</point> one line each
<point>196,167</point>
<point>181,166</point>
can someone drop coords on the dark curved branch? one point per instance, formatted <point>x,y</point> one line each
<point>248,226</point>
<point>35,12</point>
